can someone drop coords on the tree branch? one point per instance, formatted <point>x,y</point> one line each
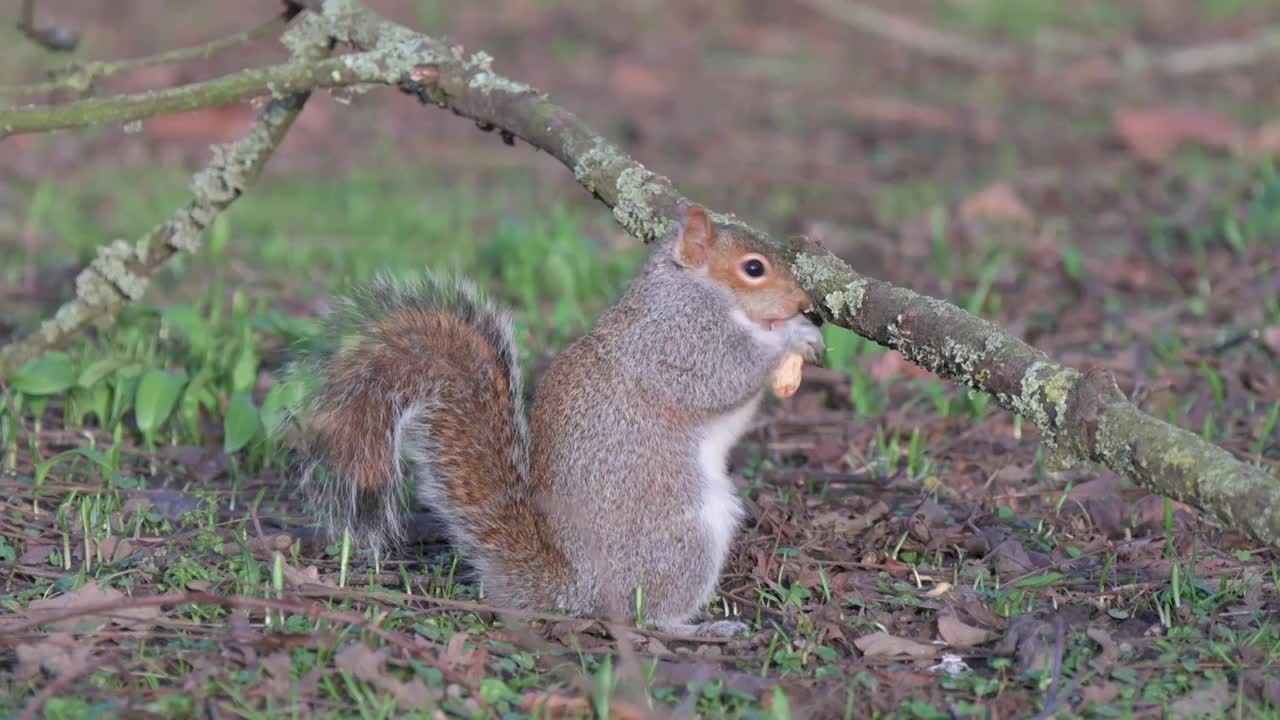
<point>1137,59</point>
<point>81,78</point>
<point>912,35</point>
<point>1082,415</point>
<point>120,272</point>
<point>1216,56</point>
<point>277,80</point>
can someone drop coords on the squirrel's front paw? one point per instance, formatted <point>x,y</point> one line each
<point>803,337</point>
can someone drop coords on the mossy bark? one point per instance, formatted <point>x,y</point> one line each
<point>1082,414</point>
<point>278,81</point>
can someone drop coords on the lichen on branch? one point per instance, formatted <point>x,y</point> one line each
<point>277,81</point>
<point>119,272</point>
<point>81,77</point>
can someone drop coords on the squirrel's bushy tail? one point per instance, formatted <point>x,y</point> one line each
<point>421,383</point>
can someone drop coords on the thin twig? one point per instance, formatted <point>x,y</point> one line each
<point>288,78</point>
<point>81,78</point>
<point>1052,699</point>
<point>917,37</point>
<point>1192,60</point>
<point>315,590</point>
<point>1218,56</point>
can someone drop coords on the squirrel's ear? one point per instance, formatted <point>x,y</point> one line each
<point>696,238</point>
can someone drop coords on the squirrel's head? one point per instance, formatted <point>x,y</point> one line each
<point>763,285</point>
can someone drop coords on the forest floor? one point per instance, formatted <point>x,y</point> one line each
<point>1076,172</point>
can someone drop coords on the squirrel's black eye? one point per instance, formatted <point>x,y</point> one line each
<point>753,268</point>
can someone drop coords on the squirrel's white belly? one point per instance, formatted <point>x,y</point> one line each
<point>721,507</point>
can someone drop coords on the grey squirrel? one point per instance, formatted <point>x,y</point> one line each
<point>613,498</point>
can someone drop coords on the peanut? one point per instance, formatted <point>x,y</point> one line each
<point>786,378</point>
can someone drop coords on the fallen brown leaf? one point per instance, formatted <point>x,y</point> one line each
<point>882,644</point>
<point>1109,651</point>
<point>1208,701</point>
<point>637,80</point>
<point>114,549</point>
<point>939,590</point>
<point>558,706</point>
<point>1085,74</point>
<point>1100,696</point>
<point>279,672</point>
<point>242,639</point>
<point>1263,686</point>
<point>1030,640</point>
<point>266,544</point>
<point>35,555</point>
<point>88,595</point>
<point>1011,559</point>
<point>958,634</point>
<point>1154,134</point>
<point>1271,338</point>
<point>1266,139</point>
<point>298,578</point>
<point>56,655</point>
<point>1010,476</point>
<point>873,515</point>
<point>472,662</point>
<point>364,663</point>
<point>893,111</point>
<point>1107,484</point>
<point>1148,513</point>
<point>998,202</point>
